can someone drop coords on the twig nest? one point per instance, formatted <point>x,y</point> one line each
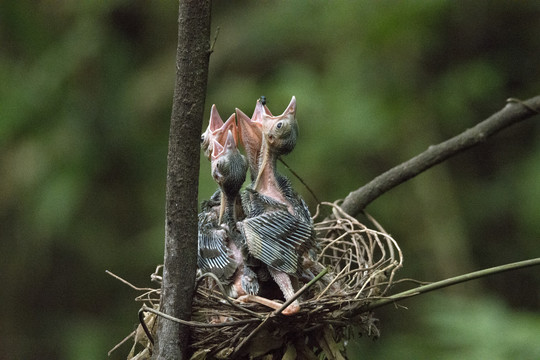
<point>361,263</point>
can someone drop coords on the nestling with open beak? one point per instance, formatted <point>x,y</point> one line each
<point>217,130</point>
<point>220,243</point>
<point>278,228</point>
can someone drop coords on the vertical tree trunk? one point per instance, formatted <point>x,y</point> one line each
<point>180,258</point>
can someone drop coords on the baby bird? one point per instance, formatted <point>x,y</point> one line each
<point>220,243</point>
<point>278,228</point>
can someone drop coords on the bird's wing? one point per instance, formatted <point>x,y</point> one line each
<point>276,238</point>
<point>256,204</point>
<point>213,254</point>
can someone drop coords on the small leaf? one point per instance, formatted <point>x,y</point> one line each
<point>200,354</point>
<point>290,353</point>
<point>225,353</point>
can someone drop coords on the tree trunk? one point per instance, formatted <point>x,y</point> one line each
<point>180,259</point>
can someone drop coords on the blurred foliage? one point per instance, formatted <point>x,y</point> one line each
<point>454,327</point>
<point>85,97</point>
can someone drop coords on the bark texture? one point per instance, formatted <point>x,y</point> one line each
<point>180,259</point>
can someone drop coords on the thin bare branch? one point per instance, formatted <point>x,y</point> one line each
<point>301,180</point>
<point>451,281</point>
<point>131,335</point>
<point>127,282</point>
<point>514,112</point>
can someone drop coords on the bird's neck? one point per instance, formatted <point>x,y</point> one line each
<point>228,209</point>
<point>253,160</point>
<point>267,179</point>
<point>253,151</point>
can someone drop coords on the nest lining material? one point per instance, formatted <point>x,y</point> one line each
<point>361,264</point>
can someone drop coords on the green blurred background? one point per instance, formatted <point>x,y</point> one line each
<point>85,101</point>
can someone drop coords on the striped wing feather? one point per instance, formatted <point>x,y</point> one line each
<point>276,238</point>
<point>213,254</point>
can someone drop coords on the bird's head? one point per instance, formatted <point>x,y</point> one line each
<point>280,132</point>
<point>217,130</point>
<point>229,167</point>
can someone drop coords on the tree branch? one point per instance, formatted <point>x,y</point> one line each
<point>451,281</point>
<point>513,112</point>
<point>180,258</point>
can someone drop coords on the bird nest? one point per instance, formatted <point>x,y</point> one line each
<point>355,267</point>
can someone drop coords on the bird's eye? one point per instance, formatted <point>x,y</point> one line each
<point>279,125</point>
<point>202,138</point>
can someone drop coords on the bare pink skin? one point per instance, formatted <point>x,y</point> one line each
<point>237,280</point>
<point>267,184</point>
<point>250,134</point>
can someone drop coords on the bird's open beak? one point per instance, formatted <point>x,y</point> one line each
<point>229,145</point>
<point>215,120</point>
<point>289,115</point>
<point>214,124</point>
<point>260,111</point>
<point>229,126</point>
<point>291,109</point>
<point>290,112</point>
<point>250,136</point>
<point>230,142</point>
<point>217,130</point>
<point>249,130</point>
<point>217,150</point>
